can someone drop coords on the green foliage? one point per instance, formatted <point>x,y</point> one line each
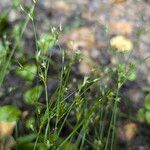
<point>27,72</point>
<point>132,75</point>
<point>68,118</point>
<point>30,123</point>
<point>68,146</point>
<point>147,116</point>
<point>27,143</point>
<point>47,41</point>
<point>27,138</point>
<point>144,113</point>
<point>9,113</point>
<point>3,53</point>
<point>127,72</point>
<point>3,22</point>
<point>32,95</point>
<point>141,115</point>
<point>147,105</point>
<point>146,89</point>
<point>121,74</point>
<point>30,146</point>
<point>15,3</point>
<point>132,72</point>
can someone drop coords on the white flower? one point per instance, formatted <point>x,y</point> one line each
<point>121,43</point>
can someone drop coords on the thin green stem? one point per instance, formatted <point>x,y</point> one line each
<point>47,110</point>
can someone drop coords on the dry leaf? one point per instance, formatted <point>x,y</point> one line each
<point>121,27</point>
<point>6,128</point>
<point>121,43</point>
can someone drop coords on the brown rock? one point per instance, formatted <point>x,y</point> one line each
<point>121,27</point>
<point>127,131</point>
<point>58,6</point>
<point>82,39</point>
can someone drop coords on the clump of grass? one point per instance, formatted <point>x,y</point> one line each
<point>85,118</point>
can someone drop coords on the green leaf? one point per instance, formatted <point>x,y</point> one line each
<point>32,95</point>
<point>30,123</point>
<point>132,75</point>
<point>147,104</point>
<point>27,143</point>
<point>47,41</point>
<point>15,3</point>
<point>147,97</point>
<point>27,138</point>
<point>141,115</point>
<point>3,53</point>
<point>133,64</point>
<point>3,22</point>
<point>30,146</point>
<point>9,113</point>
<point>147,116</point>
<point>27,72</point>
<point>67,145</point>
<point>121,68</point>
